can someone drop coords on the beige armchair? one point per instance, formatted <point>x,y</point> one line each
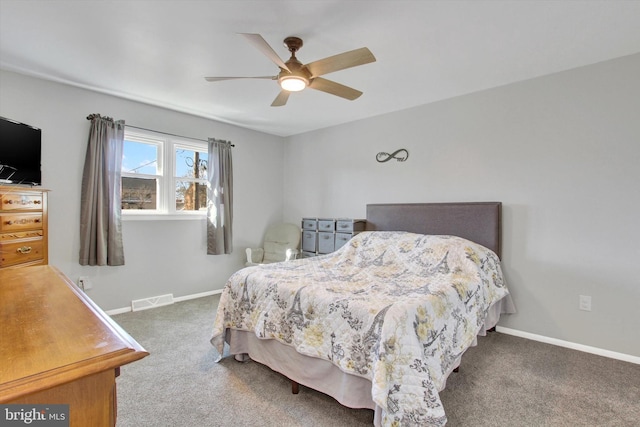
<point>280,244</point>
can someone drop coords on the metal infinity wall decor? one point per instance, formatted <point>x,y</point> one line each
<point>400,155</point>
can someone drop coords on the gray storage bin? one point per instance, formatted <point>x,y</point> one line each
<point>309,224</point>
<point>309,241</point>
<point>342,239</point>
<point>327,225</point>
<point>326,242</point>
<point>350,225</point>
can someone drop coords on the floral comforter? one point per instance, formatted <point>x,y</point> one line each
<point>394,307</point>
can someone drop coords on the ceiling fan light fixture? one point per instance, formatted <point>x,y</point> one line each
<point>293,83</point>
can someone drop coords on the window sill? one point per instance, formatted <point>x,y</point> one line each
<point>163,217</point>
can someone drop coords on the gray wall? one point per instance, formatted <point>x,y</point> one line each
<point>163,256</point>
<point>562,152</point>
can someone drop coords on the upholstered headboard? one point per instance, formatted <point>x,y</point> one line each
<point>480,222</point>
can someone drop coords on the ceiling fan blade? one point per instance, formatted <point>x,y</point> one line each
<point>281,99</point>
<point>340,62</point>
<point>217,79</point>
<point>334,88</point>
<point>263,46</point>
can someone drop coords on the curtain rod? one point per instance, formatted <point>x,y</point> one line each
<point>171,134</point>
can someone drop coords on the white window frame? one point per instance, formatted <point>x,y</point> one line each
<point>166,176</point>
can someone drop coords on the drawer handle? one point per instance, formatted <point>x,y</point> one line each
<point>23,221</point>
<point>24,249</point>
<point>23,202</point>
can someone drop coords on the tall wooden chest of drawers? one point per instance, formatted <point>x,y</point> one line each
<point>23,227</point>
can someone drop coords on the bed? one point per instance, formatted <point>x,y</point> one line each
<point>383,321</point>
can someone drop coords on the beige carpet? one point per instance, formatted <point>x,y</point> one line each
<point>504,381</point>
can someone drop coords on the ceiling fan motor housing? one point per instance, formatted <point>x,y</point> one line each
<point>297,71</point>
<point>293,44</point>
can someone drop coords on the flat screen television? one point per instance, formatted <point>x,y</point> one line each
<point>20,146</point>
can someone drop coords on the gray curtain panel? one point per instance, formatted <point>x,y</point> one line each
<point>100,203</point>
<point>220,198</point>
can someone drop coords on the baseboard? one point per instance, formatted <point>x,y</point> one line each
<point>199,295</point>
<point>567,344</point>
<point>175,299</point>
<point>118,311</point>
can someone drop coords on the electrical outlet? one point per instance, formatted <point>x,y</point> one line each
<point>584,302</point>
<point>84,283</point>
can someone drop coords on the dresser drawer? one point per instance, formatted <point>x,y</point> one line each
<point>20,221</point>
<point>21,252</point>
<point>350,225</point>
<point>327,225</point>
<point>6,237</point>
<point>309,241</point>
<point>309,224</point>
<point>326,242</point>
<point>17,201</point>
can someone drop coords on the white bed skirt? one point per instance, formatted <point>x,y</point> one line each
<point>321,375</point>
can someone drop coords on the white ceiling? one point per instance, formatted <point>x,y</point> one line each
<point>159,52</point>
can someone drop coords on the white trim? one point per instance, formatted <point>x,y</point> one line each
<point>118,311</point>
<point>201,216</point>
<point>175,299</point>
<point>166,174</point>
<point>200,295</point>
<point>567,344</point>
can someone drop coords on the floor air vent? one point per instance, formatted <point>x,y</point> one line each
<point>153,302</point>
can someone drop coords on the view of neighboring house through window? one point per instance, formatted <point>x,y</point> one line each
<point>163,175</point>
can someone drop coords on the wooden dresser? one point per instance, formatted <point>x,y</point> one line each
<point>23,227</point>
<point>58,347</point>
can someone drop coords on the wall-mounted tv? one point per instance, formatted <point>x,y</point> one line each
<point>20,146</point>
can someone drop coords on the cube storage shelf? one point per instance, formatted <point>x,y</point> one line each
<point>325,235</point>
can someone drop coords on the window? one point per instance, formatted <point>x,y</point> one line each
<point>163,175</point>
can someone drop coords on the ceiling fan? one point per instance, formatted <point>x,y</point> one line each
<point>295,76</point>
